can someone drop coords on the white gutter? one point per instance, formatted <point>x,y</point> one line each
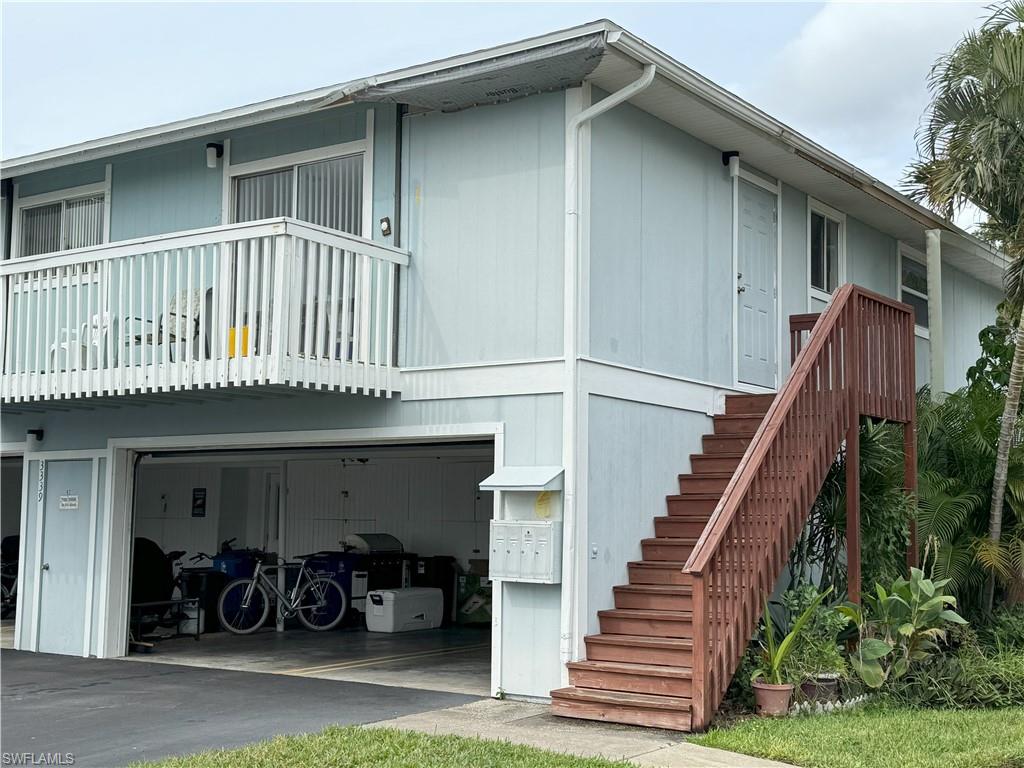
<point>573,558</point>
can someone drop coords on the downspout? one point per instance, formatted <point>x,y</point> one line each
<point>570,348</point>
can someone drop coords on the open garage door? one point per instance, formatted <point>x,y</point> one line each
<point>11,469</point>
<point>393,536</point>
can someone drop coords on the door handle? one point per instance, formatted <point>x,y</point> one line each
<point>740,288</point>
<point>44,567</point>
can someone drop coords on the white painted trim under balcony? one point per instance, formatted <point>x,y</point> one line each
<point>274,302</point>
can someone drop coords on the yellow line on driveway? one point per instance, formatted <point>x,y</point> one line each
<point>364,662</point>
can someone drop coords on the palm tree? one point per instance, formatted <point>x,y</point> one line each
<point>972,151</point>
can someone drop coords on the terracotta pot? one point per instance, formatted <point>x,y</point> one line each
<point>772,700</point>
<point>820,689</point>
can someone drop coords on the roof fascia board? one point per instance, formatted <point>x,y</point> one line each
<point>267,111</point>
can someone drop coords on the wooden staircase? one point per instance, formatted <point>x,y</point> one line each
<point>639,669</point>
<point>667,651</point>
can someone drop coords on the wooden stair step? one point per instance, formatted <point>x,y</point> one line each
<point>715,462</point>
<point>631,621</point>
<point>658,572</point>
<point>643,649</point>
<point>686,526</point>
<point>666,548</point>
<point>731,443</point>
<point>704,482</point>
<point>631,677</point>
<point>670,712</point>
<point>759,404</point>
<point>655,597</point>
<point>692,504</point>
<point>742,423</point>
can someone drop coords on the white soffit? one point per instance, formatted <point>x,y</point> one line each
<point>524,479</point>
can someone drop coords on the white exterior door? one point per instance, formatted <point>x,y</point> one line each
<point>63,572</point>
<point>755,285</point>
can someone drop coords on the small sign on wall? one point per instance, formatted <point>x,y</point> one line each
<point>198,502</point>
<point>69,501</point>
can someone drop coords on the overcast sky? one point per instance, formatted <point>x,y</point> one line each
<point>849,75</point>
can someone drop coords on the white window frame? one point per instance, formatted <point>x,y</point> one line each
<point>816,206</point>
<point>293,160</point>
<point>19,204</point>
<point>910,253</point>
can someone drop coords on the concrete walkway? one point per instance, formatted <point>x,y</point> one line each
<point>532,725</point>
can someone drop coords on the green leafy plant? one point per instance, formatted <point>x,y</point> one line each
<point>956,459</point>
<point>886,511</point>
<point>900,626</point>
<point>817,652</point>
<point>775,651</point>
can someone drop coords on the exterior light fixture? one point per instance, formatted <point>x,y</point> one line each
<point>385,226</point>
<point>213,151</point>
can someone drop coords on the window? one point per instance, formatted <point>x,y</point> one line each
<point>62,225</point>
<point>914,287</point>
<point>826,252</point>
<point>326,192</point>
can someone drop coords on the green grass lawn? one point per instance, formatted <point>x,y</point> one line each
<point>362,748</point>
<point>876,737</point>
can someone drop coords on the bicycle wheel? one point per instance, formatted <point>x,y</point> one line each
<point>238,618</point>
<point>6,602</point>
<point>321,604</point>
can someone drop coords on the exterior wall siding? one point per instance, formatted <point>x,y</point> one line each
<point>635,451</point>
<point>660,248</point>
<point>968,306</point>
<point>483,221</point>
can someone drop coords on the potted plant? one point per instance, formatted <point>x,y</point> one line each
<point>816,660</point>
<point>773,689</point>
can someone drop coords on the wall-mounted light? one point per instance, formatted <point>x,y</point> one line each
<point>213,151</point>
<point>385,226</point>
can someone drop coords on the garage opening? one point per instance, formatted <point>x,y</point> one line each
<point>10,544</point>
<point>363,563</point>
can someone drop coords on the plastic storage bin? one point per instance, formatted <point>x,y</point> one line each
<point>404,610</point>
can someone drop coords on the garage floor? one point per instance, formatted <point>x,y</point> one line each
<point>453,660</point>
<point>7,633</point>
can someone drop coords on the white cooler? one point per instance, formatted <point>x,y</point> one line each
<point>403,610</point>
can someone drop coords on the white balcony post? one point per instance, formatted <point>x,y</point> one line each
<point>278,308</point>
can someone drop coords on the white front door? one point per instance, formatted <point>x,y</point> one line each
<point>63,572</point>
<point>755,284</point>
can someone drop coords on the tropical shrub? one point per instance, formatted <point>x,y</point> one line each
<point>900,626</point>
<point>968,675</point>
<point>819,556</point>
<point>956,462</point>
<point>1004,630</point>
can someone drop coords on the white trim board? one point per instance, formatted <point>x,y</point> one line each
<point>533,377</point>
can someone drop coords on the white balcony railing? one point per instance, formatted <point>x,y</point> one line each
<point>270,302</point>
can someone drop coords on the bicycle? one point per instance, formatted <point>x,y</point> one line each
<point>317,601</point>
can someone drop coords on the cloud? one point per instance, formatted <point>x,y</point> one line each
<point>855,77</point>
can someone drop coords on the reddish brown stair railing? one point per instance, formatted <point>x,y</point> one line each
<point>857,360</point>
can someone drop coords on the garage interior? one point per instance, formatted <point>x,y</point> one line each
<point>10,529</point>
<point>384,519</point>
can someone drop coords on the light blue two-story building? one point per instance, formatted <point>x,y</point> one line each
<point>341,311</point>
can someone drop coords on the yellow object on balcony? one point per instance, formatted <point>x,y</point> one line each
<point>232,352</point>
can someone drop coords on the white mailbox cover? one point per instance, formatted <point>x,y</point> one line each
<point>526,550</point>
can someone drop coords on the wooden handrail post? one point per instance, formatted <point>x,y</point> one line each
<point>699,682</point>
<point>853,373</point>
<point>910,443</point>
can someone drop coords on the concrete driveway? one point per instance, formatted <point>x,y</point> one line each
<point>111,713</point>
